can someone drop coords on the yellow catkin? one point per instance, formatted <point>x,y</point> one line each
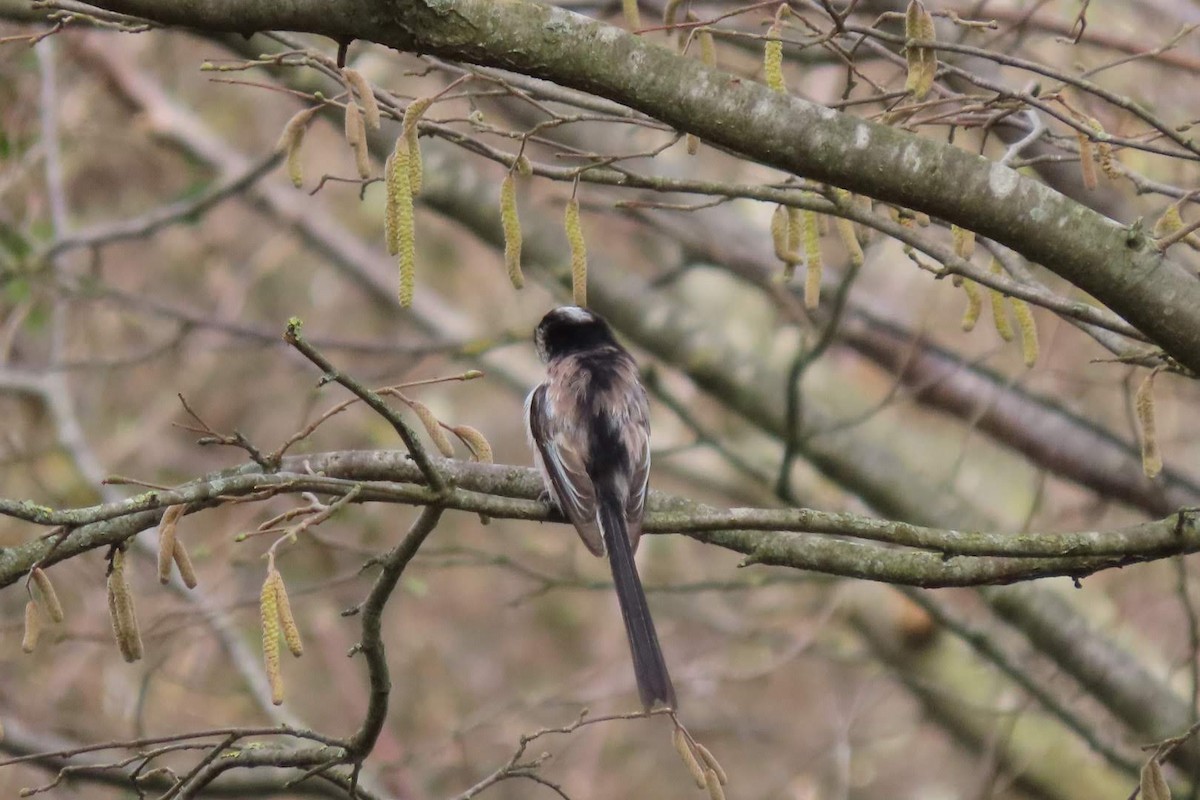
<point>708,48</point>
<point>366,97</point>
<point>711,762</point>
<point>166,541</point>
<point>578,253</point>
<point>399,220</point>
<point>713,784</point>
<point>356,137</point>
<point>291,139</point>
<point>1087,162</point>
<point>1151,783</point>
<point>846,232</point>
<point>633,17</point>
<point>432,427</point>
<point>779,234</point>
<point>812,260</point>
<point>1170,222</point>
<point>523,166</point>
<point>1108,159</point>
<point>33,627</point>
<point>773,59</point>
<point>685,753</point>
<point>921,61</point>
<point>670,10</point>
<point>268,614</point>
<point>481,449</point>
<point>1104,150</point>
<point>796,231</point>
<point>974,304</point>
<point>390,208</point>
<point>511,223</point>
<point>121,611</point>
<point>1028,329</point>
<point>866,205</point>
<point>412,115</point>
<point>999,309</point>
<point>291,633</point>
<point>54,608</point>
<point>183,562</point>
<point>1143,404</point>
<point>964,241</point>
<point>685,33</point>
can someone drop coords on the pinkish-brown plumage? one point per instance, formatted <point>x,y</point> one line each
<point>589,429</point>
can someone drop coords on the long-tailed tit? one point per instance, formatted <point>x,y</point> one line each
<point>589,428</point>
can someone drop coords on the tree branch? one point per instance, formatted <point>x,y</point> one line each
<point>791,537</point>
<point>1119,266</point>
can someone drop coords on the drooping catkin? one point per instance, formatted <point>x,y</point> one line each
<point>356,137</point>
<point>390,208</point>
<point>1152,785</point>
<point>54,608</point>
<point>1087,162</point>
<point>183,562</point>
<point>476,442</point>
<point>974,304</point>
<point>849,237</point>
<point>964,242</point>
<point>999,309</point>
<point>511,223</point>
<point>166,541</point>
<point>796,231</point>
<point>291,633</point>
<point>399,219</point>
<point>691,144</point>
<point>1028,330</point>
<point>268,614</point>
<point>290,140</point>
<point>33,627</point>
<point>779,234</point>
<point>578,253</point>
<point>689,759</point>
<point>122,612</point>
<point>921,61</point>
<point>1170,222</point>
<point>670,10</point>
<point>713,784</point>
<point>633,18</point>
<point>1104,150</point>
<point>432,427</point>
<point>711,762</point>
<point>366,97</point>
<point>708,48</point>
<point>773,57</point>
<point>412,115</point>
<point>1143,403</point>
<point>812,260</point>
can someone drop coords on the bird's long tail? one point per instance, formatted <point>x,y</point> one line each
<point>653,680</point>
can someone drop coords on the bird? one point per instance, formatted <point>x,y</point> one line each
<point>588,425</point>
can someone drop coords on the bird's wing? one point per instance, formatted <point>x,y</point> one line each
<point>637,444</point>
<point>562,465</point>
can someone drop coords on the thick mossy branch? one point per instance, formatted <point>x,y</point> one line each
<point>834,543</point>
<point>1118,266</point>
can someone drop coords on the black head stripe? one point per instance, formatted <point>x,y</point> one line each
<point>571,329</point>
